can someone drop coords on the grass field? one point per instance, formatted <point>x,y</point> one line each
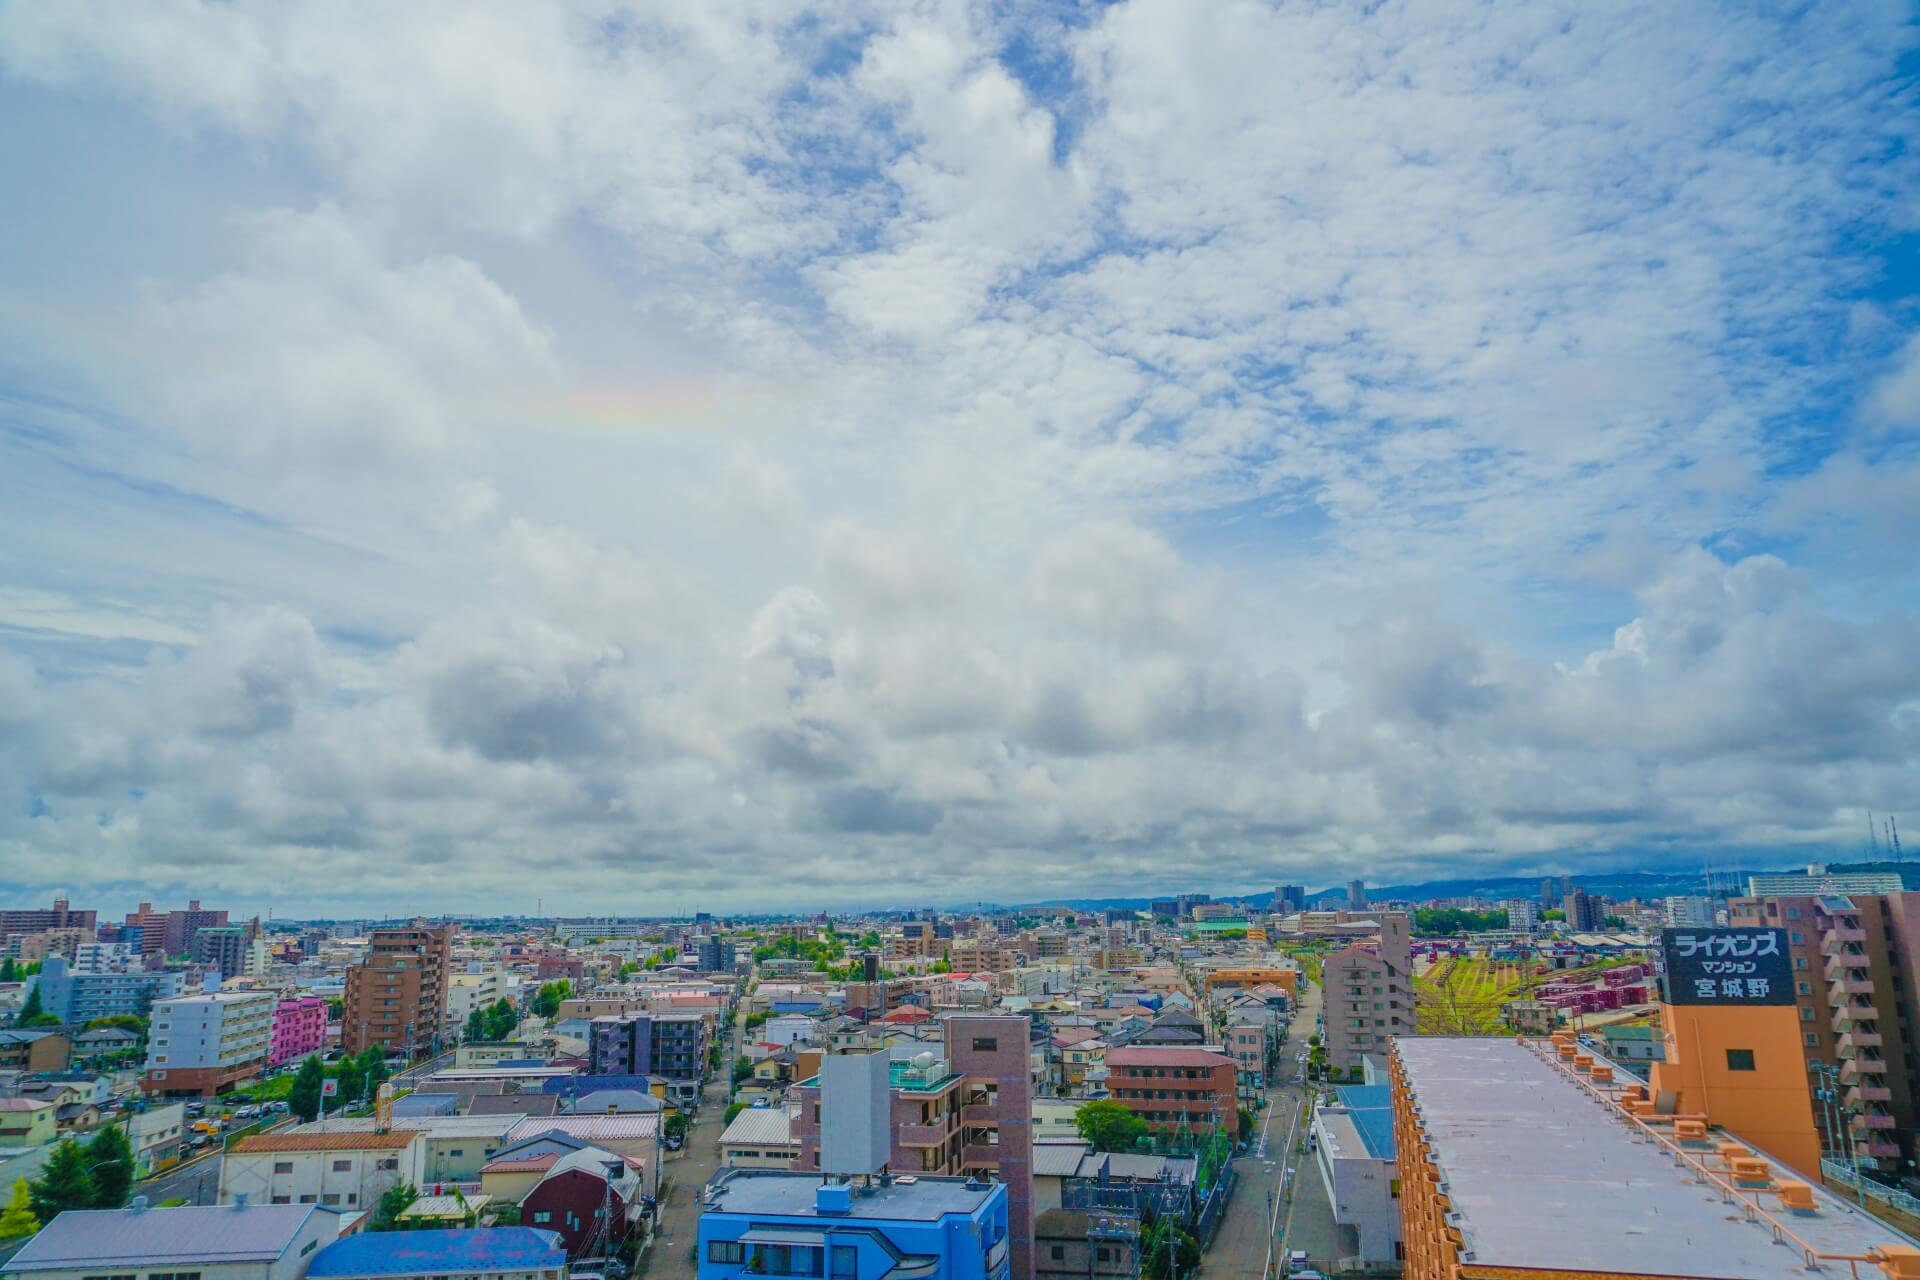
<point>1461,996</point>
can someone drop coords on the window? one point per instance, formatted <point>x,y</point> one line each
<point>985,1044</point>
<point>724,1251</point>
<point>1812,1039</point>
<point>1806,1014</point>
<point>543,1215</point>
<point>846,1262</point>
<point>283,1166</point>
<point>332,1197</point>
<point>1059,1252</point>
<point>1739,1059</point>
<point>341,1166</point>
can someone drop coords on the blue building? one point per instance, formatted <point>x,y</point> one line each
<point>79,998</point>
<point>760,1222</point>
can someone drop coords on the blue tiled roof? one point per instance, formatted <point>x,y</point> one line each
<point>1371,1109</point>
<point>396,1253</point>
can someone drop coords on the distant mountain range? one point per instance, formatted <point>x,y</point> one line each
<point>1612,884</point>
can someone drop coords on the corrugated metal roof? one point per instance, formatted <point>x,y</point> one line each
<point>87,1238</point>
<point>762,1127</point>
<point>412,1253</point>
<point>592,1128</point>
<point>1058,1159</point>
<point>306,1140</point>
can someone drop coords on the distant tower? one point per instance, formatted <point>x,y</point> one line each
<point>1356,895</point>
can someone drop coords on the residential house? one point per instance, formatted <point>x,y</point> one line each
<point>299,1029</point>
<point>346,1171</point>
<point>591,1197</point>
<point>762,1138</point>
<point>35,1049</point>
<point>28,1122</point>
<point>498,1253</point>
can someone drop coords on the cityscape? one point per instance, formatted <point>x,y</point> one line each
<point>1303,1082</point>
<point>959,640</point>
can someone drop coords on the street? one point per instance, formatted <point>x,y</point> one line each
<point>1263,1203</point>
<point>195,1183</point>
<point>671,1255</point>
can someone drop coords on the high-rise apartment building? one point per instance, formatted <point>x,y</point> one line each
<point>1368,993</point>
<point>1856,971</point>
<point>1356,895</point>
<point>234,950</point>
<point>397,997</point>
<point>1585,912</point>
<point>79,998</point>
<point>1686,909</point>
<point>40,919</point>
<point>171,933</point>
<point>1522,913</point>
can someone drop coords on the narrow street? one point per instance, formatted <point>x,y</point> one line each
<point>670,1257</point>
<point>1263,1203</point>
<point>195,1183</point>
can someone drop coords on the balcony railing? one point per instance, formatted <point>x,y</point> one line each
<point>1849,986</point>
<point>1863,1093</point>
<point>1842,936</point>
<point>1857,1038</point>
<point>982,1155</point>
<point>985,1113</point>
<point>923,1135</point>
<point>1870,1120</point>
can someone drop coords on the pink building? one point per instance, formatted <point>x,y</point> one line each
<point>299,1028</point>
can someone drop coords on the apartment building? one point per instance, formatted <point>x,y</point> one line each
<point>397,997</point>
<point>1173,1086</point>
<point>1368,996</point>
<point>299,1029</point>
<point>476,987</point>
<point>231,950</point>
<point>104,957</point>
<point>1856,972</point>
<point>60,915</point>
<point>348,1171</point>
<point>205,1044</point>
<point>79,998</point>
<point>1532,1158</point>
<point>673,1045</point>
<point>49,942</point>
<point>171,933</point>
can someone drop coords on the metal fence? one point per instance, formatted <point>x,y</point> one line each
<point>1208,1220</point>
<point>1834,1171</point>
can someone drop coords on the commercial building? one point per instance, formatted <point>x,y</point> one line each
<point>1686,909</point>
<point>761,1223</point>
<point>155,1135</point>
<point>1356,895</point>
<point>497,1253</point>
<point>1353,1151</point>
<point>1856,985</point>
<point>397,997</point>
<point>79,998</point>
<point>1173,1087</point>
<point>1522,913</point>
<point>1368,993</point>
<point>346,1171</point>
<point>212,1242</point>
<point>206,1044</point>
<point>299,1029</point>
<point>1531,1158</point>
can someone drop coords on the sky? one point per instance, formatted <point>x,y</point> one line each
<point>735,455</point>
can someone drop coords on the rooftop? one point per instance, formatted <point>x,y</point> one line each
<point>413,1253</point>
<point>791,1195</point>
<point>305,1139</point>
<point>761,1126</point>
<point>1542,1176</point>
<point>1166,1056</point>
<point>130,1238</point>
<point>1370,1111</point>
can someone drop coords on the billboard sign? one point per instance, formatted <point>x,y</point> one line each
<point>329,1087</point>
<point>1726,966</point>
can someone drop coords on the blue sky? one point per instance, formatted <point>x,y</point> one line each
<point>687,454</point>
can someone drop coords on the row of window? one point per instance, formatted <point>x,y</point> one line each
<point>788,1259</point>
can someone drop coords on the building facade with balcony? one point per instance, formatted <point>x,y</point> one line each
<point>396,998</point>
<point>299,1029</point>
<point>206,1044</point>
<point>1368,996</point>
<point>1856,969</point>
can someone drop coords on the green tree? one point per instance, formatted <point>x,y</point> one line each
<point>1109,1126</point>
<point>110,1164</point>
<point>476,1025</point>
<point>9,970</point>
<point>352,1075</point>
<point>1553,913</point>
<point>336,1006</point>
<point>30,1009</point>
<point>393,1202</point>
<point>373,1070</point>
<point>42,1020</point>
<point>742,1068</point>
<point>501,1019</point>
<point>17,1218</point>
<point>1167,1250</point>
<point>944,964</point>
<point>676,1126</point>
<point>546,1001</point>
<point>119,1022</point>
<point>1457,920</point>
<point>63,1184</point>
<point>733,1109</point>
<point>304,1099</point>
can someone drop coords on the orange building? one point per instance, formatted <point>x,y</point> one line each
<point>1527,1158</point>
<point>1253,975</point>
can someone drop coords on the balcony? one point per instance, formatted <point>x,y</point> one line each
<point>922,1135</point>
<point>981,1155</point>
<point>1842,965</point>
<point>1858,1038</point>
<point>1849,986</point>
<point>1842,936</point>
<point>1870,1120</point>
<point>986,1112</point>
<point>1853,1068</point>
<point>1876,1148</point>
<point>1863,1093</point>
<point>1847,1015</point>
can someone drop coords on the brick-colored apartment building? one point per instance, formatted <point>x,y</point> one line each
<point>396,998</point>
<point>1170,1086</point>
<point>1856,970</point>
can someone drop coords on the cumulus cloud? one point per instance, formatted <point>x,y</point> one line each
<point>649,456</point>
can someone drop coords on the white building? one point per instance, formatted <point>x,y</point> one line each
<point>1522,913</point>
<point>1686,910</point>
<point>788,1029</point>
<point>155,1136</point>
<point>346,1171</point>
<point>1353,1149</point>
<point>212,1242</point>
<point>761,1138</point>
<point>203,1044</point>
<point>477,988</point>
<point>104,957</point>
